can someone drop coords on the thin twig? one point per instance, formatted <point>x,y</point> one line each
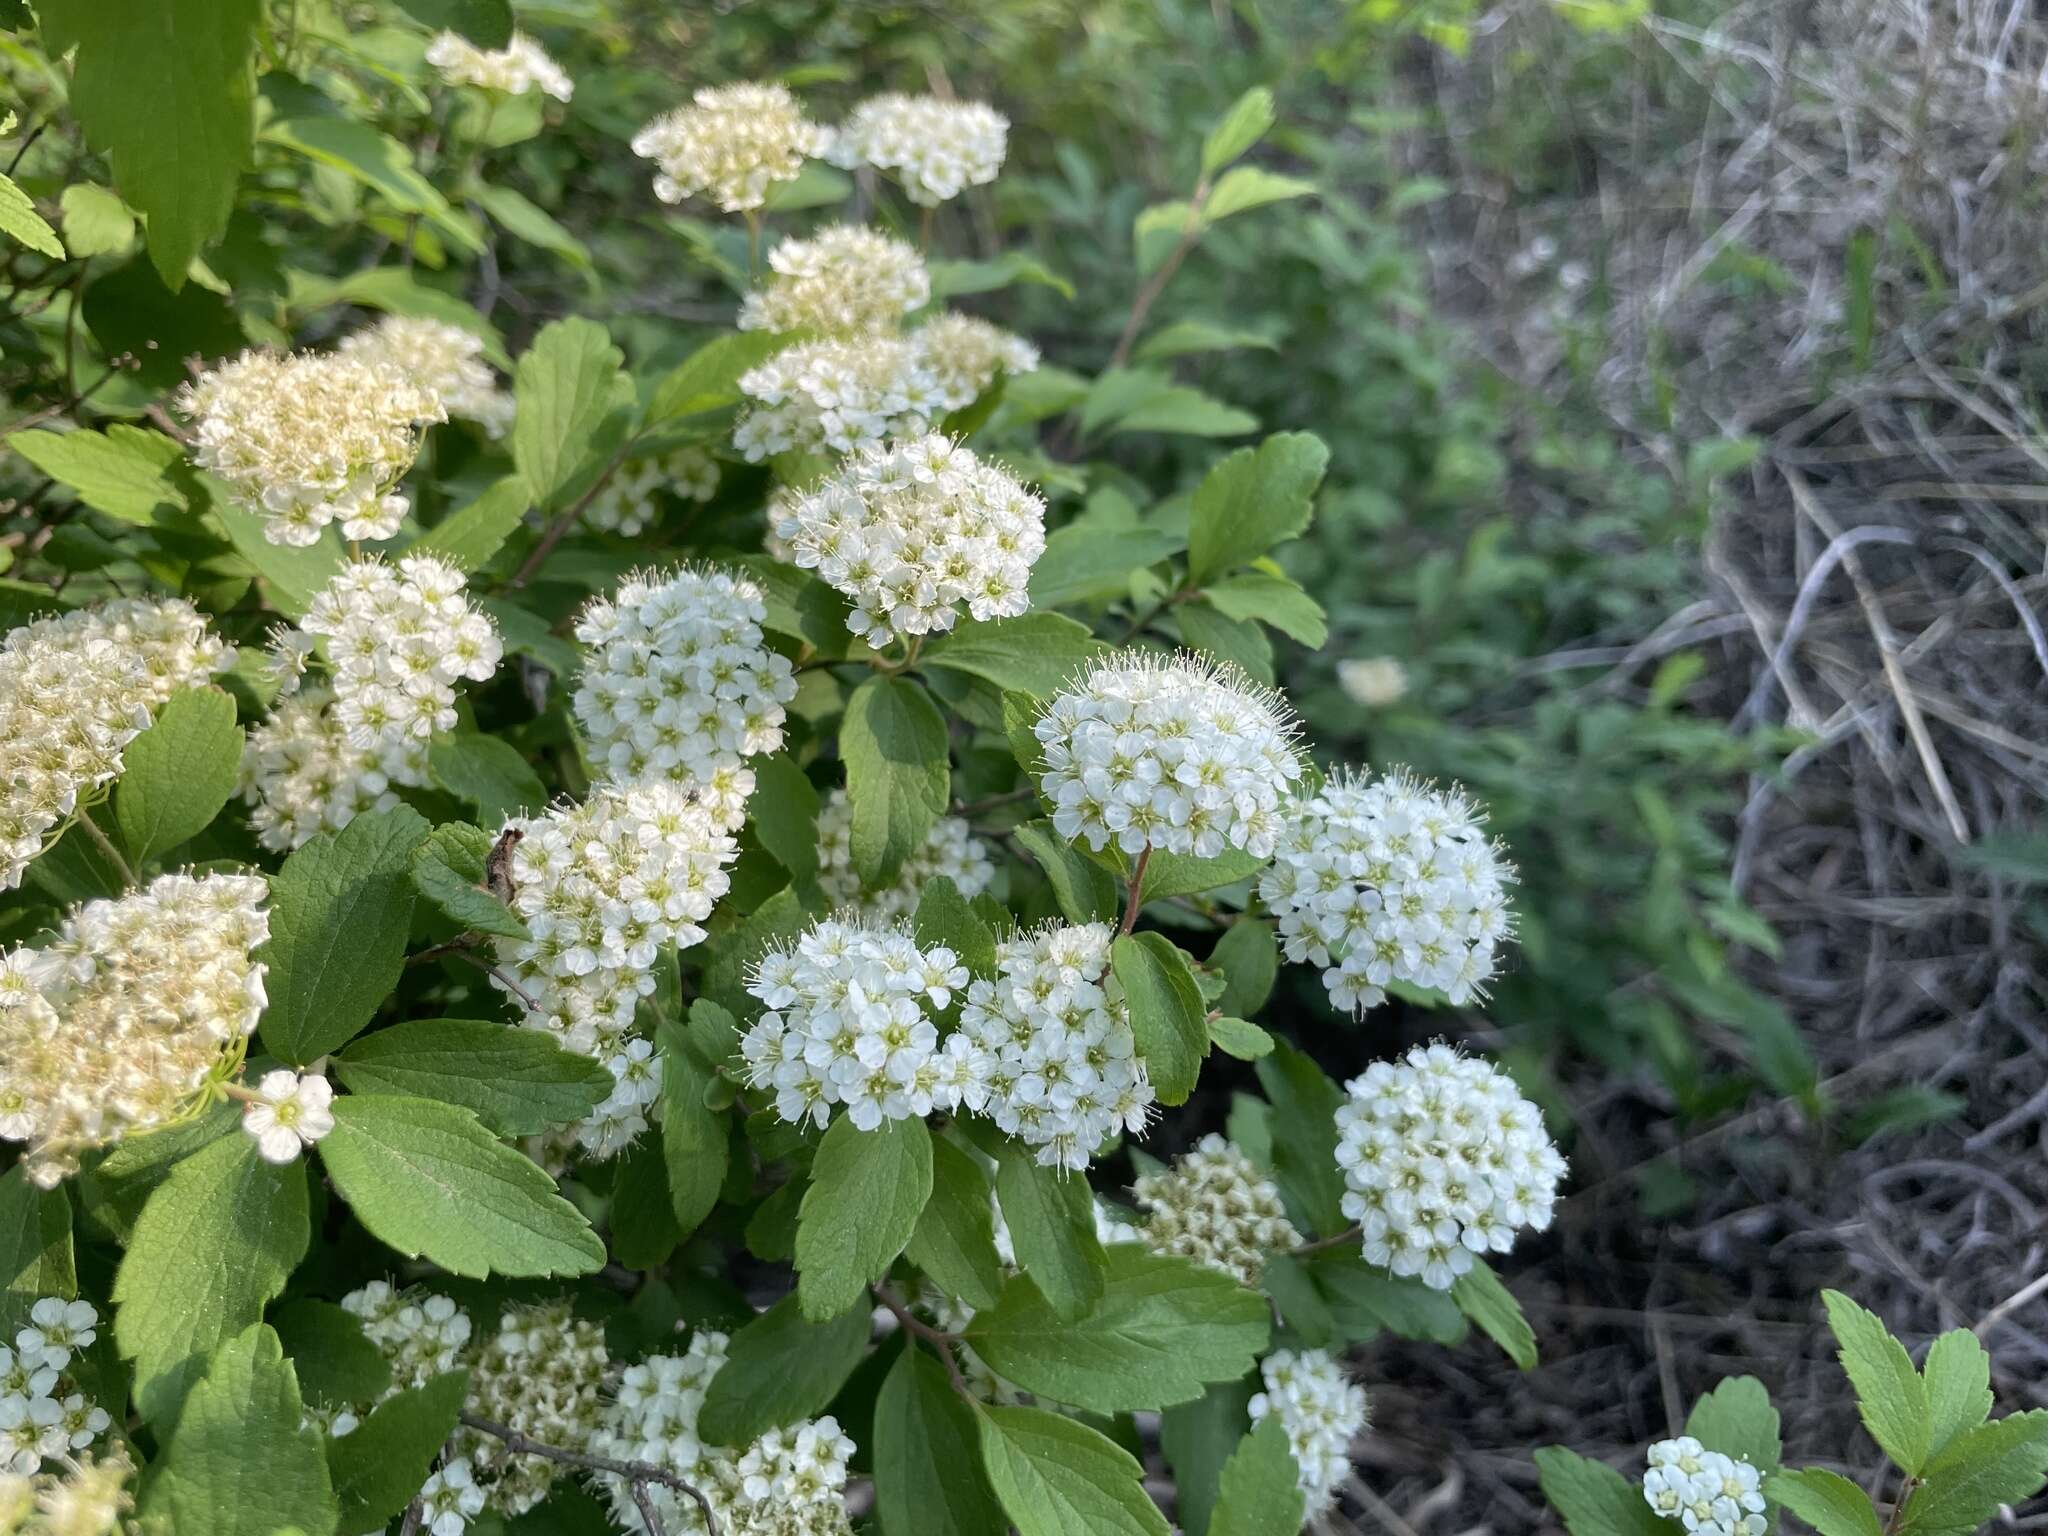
<point>415,1517</point>
<point>559,528</point>
<point>938,1338</point>
<point>1135,889</point>
<point>1350,1234</point>
<point>637,1474</point>
<point>92,829</point>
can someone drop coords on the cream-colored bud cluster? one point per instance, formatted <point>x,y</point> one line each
<point>841,281</point>
<point>520,66</point>
<point>1215,1207</point>
<point>936,147</point>
<point>306,439</point>
<point>117,1025</point>
<point>87,1496</point>
<point>629,503</point>
<point>74,691</point>
<point>966,354</point>
<point>540,1376</point>
<point>442,358</point>
<point>950,850</point>
<point>300,776</point>
<point>732,144</point>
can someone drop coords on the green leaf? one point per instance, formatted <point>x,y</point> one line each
<point>428,1180</point>
<point>35,1248</point>
<point>1890,1395</point>
<point>1360,1300</point>
<point>340,910</point>
<point>954,1242</point>
<point>1084,889</point>
<point>19,219</point>
<point>338,1366</point>
<point>642,1223</point>
<point>1052,1228</point>
<point>126,472</point>
<point>1168,1018</point>
<point>1594,1499</point>
<point>1163,1328</point>
<point>1481,1297</point>
<point>1305,1104</point>
<point>1036,654</point>
<point>487,23</point>
<point>1056,1477</point>
<point>1825,1500</point>
<point>96,222</point>
<point>131,311</point>
<point>1235,642</point>
<point>1197,1438</point>
<point>575,408</point>
<point>867,1190</point>
<point>448,869</point>
<point>693,1137</point>
<point>950,279</point>
<point>784,813</point>
<point>242,1461</point>
<point>1249,120</point>
<point>517,1081</point>
<point>928,1478</point>
<point>944,918</point>
<point>898,777</point>
<point>780,1368</point>
<point>1737,1419</point>
<point>114,1190</point>
<point>1259,1494</point>
<point>177,775</point>
<point>1273,600</point>
<point>519,216</point>
<point>489,773</point>
<point>1249,957</point>
<point>1248,187</point>
<point>1187,336</point>
<point>1958,1377</point>
<point>1239,1038</point>
<point>709,378</point>
<point>468,537</point>
<point>379,1466</point>
<point>1084,562</point>
<point>292,574</point>
<point>1182,874</point>
<point>2003,1462</point>
<point>164,90</point>
<point>216,1240</point>
<point>379,162</point>
<point>1254,499</point>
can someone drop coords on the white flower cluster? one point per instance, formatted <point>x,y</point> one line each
<point>678,682</point>
<point>1443,1158</point>
<point>300,776</point>
<point>937,148</point>
<point>601,887</point>
<point>629,503</point>
<point>965,354</point>
<point>116,1025</point>
<point>1707,1492</point>
<point>789,1482</point>
<point>288,1114</point>
<point>1389,879</point>
<point>520,66</point>
<point>731,144</point>
<point>1322,1411</point>
<point>540,1376</point>
<point>836,394</point>
<point>440,357</point>
<point>950,849</point>
<point>74,691</point>
<point>1062,1069</point>
<point>86,1496</point>
<point>1174,754</point>
<point>849,1022</point>
<point>419,1334</point>
<point>1215,1207</point>
<point>914,529</point>
<point>843,280</point>
<point>1374,681</point>
<point>309,439</point>
<point>43,1416</point>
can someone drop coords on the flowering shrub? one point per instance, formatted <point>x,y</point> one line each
<point>617,941</point>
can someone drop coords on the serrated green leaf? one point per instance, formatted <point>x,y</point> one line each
<point>928,1478</point>
<point>519,216</point>
<point>468,537</point>
<point>1163,1328</point>
<point>1825,1500</point>
<point>1234,642</point>
<point>1890,1395</point>
<point>1249,956</point>
<point>214,1242</point>
<point>867,1190</point>
<point>1036,653</point>
<point>96,222</point>
<point>1085,563</point>
<point>950,279</point>
<point>780,1368</point>
<point>176,776</point>
<point>337,1365</point>
<point>1249,120</point>
<point>1958,1377</point>
<point>1594,1499</point>
<point>448,869</point>
<point>488,773</point>
<point>126,472</point>
<point>378,161</point>
<point>945,919</point>
<point>1481,1297</point>
<point>643,1226</point>
<point>1168,1019</point>
<point>340,910</point>
<point>575,409</point>
<point>2003,1462</point>
<point>898,776</point>
<point>1197,1438</point>
<point>693,1137</point>
<point>1273,600</point>
<point>1188,336</point>
<point>1084,890</point>
<point>1305,1102</point>
<point>114,1189</point>
<point>1737,1419</point>
<point>518,1082</point>
<point>954,1242</point>
<point>1254,499</point>
<point>1239,1038</point>
<point>1056,1477</point>
<point>292,574</point>
<point>784,812</point>
<point>1260,1495</point>
<point>35,1248</point>
<point>20,221</point>
<point>1052,1228</point>
<point>709,378</point>
<point>378,1467</point>
<point>1361,1300</point>
<point>428,1180</point>
<point>1249,187</point>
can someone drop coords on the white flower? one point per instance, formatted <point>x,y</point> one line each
<point>949,850</point>
<point>1215,1207</point>
<point>520,66</point>
<point>113,1027</point>
<point>935,147</point>
<point>83,1422</point>
<point>1173,754</point>
<point>1322,1411</point>
<point>74,691</point>
<point>1374,681</point>
<point>1060,1069</point>
<point>841,281</point>
<point>310,439</point>
<point>56,1328</point>
<point>678,682</point>
<point>836,394</point>
<point>81,1496</point>
<point>967,354</point>
<point>733,143</point>
<point>300,776</point>
<point>450,1498</point>
<point>442,358</point>
<point>630,502</point>
<point>912,532</point>
<point>1708,1493</point>
<point>540,1376</point>
<point>289,1113</point>
<point>1389,879</point>
<point>421,1335</point>
<point>851,1021</point>
<point>31,1432</point>
<point>1443,1159</point>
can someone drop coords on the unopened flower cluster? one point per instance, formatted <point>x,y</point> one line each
<point>308,439</point>
<point>678,682</point>
<point>849,1023</point>
<point>935,147</point>
<point>116,1025</point>
<point>1179,755</point>
<point>74,691</point>
<point>1442,1159</point>
<point>520,66</point>
<point>43,1415</point>
<point>836,394</point>
<point>87,1496</point>
<point>841,281</point>
<point>300,776</point>
<point>419,1334</point>
<point>950,850</point>
<point>288,1114</point>
<point>915,530</point>
<point>629,503</point>
<point>1062,1071</point>
<point>540,1376</point>
<point>1215,1207</point>
<point>1322,1411</point>
<point>601,887</point>
<point>440,357</point>
<point>1389,879</point>
<point>789,1482</point>
<point>965,354</point>
<point>1708,1493</point>
<point>732,144</point>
